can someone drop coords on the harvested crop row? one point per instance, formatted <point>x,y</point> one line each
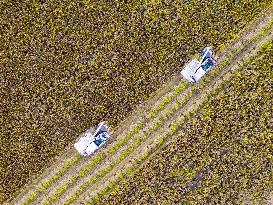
<point>152,114</point>
<point>259,34</point>
<point>171,129</point>
<point>221,155</point>
<point>121,136</point>
<point>152,145</point>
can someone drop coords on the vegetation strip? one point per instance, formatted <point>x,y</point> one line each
<point>129,149</point>
<point>176,90</point>
<point>46,183</point>
<point>172,129</point>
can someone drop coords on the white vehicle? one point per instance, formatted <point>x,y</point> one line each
<point>199,65</point>
<point>90,142</point>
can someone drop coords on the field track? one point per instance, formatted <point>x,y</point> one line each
<point>72,179</point>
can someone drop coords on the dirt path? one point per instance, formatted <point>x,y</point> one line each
<point>124,127</point>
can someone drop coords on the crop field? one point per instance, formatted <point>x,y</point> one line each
<point>69,64</point>
<point>221,155</point>
<point>77,180</point>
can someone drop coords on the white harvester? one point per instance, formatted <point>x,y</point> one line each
<point>199,65</point>
<point>90,142</point>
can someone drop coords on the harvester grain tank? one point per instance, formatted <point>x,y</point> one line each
<point>199,65</point>
<point>91,141</point>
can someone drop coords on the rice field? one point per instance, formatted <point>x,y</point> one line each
<point>69,64</point>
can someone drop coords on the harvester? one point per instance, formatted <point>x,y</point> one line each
<point>199,65</point>
<point>90,141</point>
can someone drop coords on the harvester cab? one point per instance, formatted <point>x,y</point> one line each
<point>90,142</point>
<point>199,65</point>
